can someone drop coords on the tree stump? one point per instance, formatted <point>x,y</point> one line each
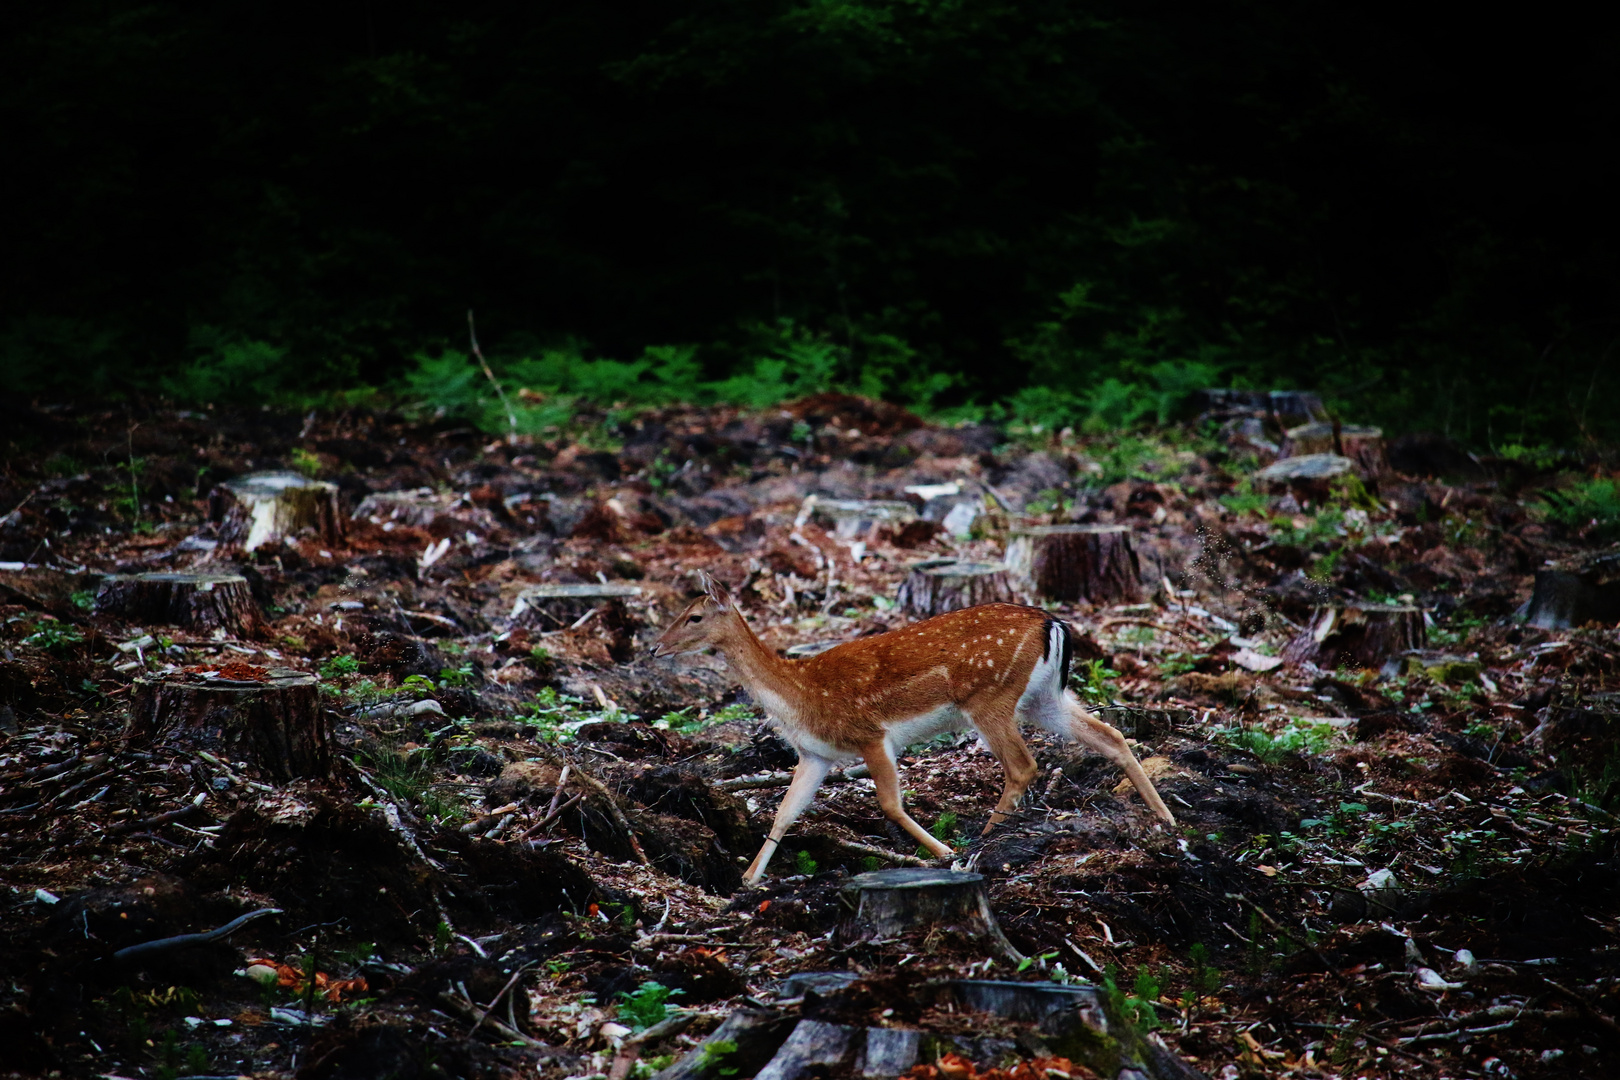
<point>554,607</point>
<point>415,509</point>
<point>1577,591</point>
<point>936,586</point>
<point>202,602</point>
<point>1287,407</point>
<point>850,518</point>
<point>262,508</point>
<point>1077,562</point>
<point>886,904</point>
<point>1362,445</point>
<point>754,1035</point>
<point>270,719</point>
<point>1364,636</point>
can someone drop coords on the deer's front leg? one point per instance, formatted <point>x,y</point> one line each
<point>807,777</point>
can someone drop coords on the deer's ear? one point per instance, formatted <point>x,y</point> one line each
<point>714,589</point>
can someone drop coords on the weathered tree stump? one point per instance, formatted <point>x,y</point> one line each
<point>1288,407</point>
<point>1364,636</point>
<point>415,509</point>
<point>1577,591</point>
<point>1077,562</point>
<point>272,720</point>
<point>936,586</point>
<point>1362,445</point>
<point>851,518</point>
<point>886,904</point>
<point>202,602</point>
<point>261,508</point>
<point>553,607</point>
<point>755,1035</point>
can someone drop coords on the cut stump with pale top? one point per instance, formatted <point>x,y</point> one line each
<point>200,602</point>
<point>887,904</point>
<point>936,586</point>
<point>262,508</point>
<point>271,720</point>
<point>1096,563</point>
<point>1574,592</point>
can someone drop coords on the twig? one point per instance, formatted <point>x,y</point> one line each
<point>1586,1006</point>
<point>550,817</point>
<point>556,796</point>
<point>147,948</point>
<point>470,1012</point>
<point>516,975</point>
<point>891,856</point>
<point>511,417</point>
<point>614,812</point>
<point>1124,620</point>
<point>161,819</point>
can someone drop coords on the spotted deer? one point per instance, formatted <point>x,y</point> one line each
<point>990,667</point>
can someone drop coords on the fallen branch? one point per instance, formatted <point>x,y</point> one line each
<point>877,852</point>
<point>516,975</point>
<point>147,824</point>
<point>1586,1006</point>
<point>180,941</point>
<point>511,417</point>
<point>470,1011</point>
<point>1123,620</point>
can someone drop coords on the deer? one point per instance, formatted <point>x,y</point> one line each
<point>990,667</point>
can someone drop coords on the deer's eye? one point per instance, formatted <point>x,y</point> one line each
<point>694,618</point>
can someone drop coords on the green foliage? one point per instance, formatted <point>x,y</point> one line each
<point>1205,979</point>
<point>306,461</point>
<point>1339,821</point>
<point>460,675</point>
<point>1244,500</point>
<point>336,667</point>
<point>805,864</point>
<point>57,637</point>
<point>1592,504</point>
<point>1299,737</point>
<point>84,599</point>
<point>714,1055</point>
<point>1136,1008</point>
<point>409,779</point>
<point>1095,682</point>
<point>646,1005</point>
<point>945,827</point>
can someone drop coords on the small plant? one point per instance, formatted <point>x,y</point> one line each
<point>1338,822</point>
<point>54,637</point>
<point>1244,500</point>
<point>406,778</point>
<point>1587,505</point>
<point>1299,737</point>
<point>461,675</point>
<point>1095,682</point>
<point>1205,979</point>
<point>806,864</point>
<point>714,1057</point>
<point>1136,1008</point>
<point>84,599</point>
<point>646,1006</point>
<point>540,654</point>
<point>306,461</point>
<point>339,666</point>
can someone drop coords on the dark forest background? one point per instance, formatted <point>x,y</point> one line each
<point>1068,206</point>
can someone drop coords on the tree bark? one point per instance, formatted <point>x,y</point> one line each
<point>1362,445</point>
<point>415,509</point>
<point>1577,591</point>
<point>201,602</point>
<point>936,586</point>
<point>1285,407</point>
<point>1358,636</point>
<point>887,904</point>
<point>271,720</point>
<point>1077,562</point>
<point>262,508</point>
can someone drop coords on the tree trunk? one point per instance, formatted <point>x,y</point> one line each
<point>1362,445</point>
<point>936,586</point>
<point>271,720</point>
<point>201,602</point>
<point>553,607</point>
<point>850,518</point>
<point>887,904</point>
<point>1363,637</point>
<point>262,508</point>
<point>1077,562</point>
<point>1577,591</point>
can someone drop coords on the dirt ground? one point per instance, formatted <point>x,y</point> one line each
<point>1401,870</point>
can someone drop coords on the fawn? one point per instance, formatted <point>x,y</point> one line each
<point>990,667</point>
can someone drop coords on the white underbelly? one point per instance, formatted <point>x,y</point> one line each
<point>916,729</point>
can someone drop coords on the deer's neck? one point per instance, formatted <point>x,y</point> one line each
<point>773,682</point>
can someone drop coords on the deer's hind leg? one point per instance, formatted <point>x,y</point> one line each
<point>1089,731</point>
<point>998,723</point>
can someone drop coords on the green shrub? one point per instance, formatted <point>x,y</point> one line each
<point>646,1005</point>
<point>1593,504</point>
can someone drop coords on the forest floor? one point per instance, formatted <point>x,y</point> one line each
<point>1402,871</point>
